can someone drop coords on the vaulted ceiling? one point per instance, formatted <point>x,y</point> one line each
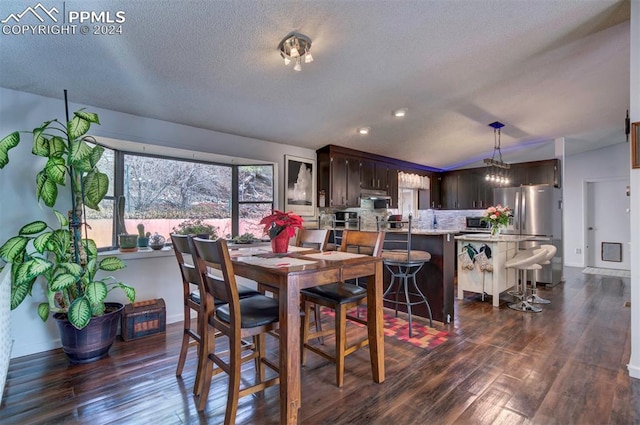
<point>546,69</point>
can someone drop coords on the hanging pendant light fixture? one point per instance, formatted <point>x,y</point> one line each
<point>496,167</point>
<point>296,48</point>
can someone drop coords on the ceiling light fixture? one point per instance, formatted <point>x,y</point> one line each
<point>400,113</point>
<point>295,48</point>
<point>364,130</point>
<point>496,167</point>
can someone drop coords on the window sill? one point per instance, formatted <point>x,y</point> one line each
<point>167,251</point>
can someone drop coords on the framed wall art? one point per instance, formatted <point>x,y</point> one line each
<point>635,142</point>
<point>300,190</point>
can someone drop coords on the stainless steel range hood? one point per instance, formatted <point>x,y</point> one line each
<point>375,199</point>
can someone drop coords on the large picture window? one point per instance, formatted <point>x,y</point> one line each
<point>162,192</point>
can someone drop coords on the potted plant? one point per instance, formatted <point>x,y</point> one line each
<point>128,242</point>
<point>61,257</point>
<point>143,238</point>
<point>281,226</point>
<point>196,227</point>
<point>156,241</point>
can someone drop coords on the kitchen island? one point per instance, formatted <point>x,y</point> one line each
<point>495,278</point>
<point>436,277</point>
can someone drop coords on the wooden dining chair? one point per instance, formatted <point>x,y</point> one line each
<point>341,297</point>
<point>191,296</point>
<point>237,318</point>
<point>313,238</point>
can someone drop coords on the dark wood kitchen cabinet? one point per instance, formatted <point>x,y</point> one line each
<point>373,175</point>
<point>345,182</point>
<point>465,190</point>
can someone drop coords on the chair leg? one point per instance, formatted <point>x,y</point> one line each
<point>341,325</point>
<point>206,370</point>
<point>233,394</point>
<point>185,341</point>
<point>196,384</point>
<point>304,338</point>
<point>316,313</point>
<point>259,340</point>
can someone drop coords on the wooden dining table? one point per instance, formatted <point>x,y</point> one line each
<point>281,272</point>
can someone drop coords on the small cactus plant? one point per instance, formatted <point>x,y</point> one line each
<point>141,232</point>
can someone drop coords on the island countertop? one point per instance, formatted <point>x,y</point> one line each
<point>483,237</point>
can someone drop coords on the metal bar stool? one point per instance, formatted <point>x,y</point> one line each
<point>534,298</point>
<point>523,261</point>
<point>403,264</point>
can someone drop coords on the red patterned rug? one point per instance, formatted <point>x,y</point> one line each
<point>398,327</point>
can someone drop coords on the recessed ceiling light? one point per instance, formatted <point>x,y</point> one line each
<point>364,130</point>
<point>400,113</point>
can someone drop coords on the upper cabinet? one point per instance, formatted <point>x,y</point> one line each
<point>344,172</point>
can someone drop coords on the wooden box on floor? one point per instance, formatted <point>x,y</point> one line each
<point>143,318</point>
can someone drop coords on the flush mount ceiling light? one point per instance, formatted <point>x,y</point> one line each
<point>296,48</point>
<point>496,167</point>
<point>400,113</point>
<point>364,130</point>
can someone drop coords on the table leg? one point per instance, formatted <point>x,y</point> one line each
<point>289,298</point>
<point>375,321</point>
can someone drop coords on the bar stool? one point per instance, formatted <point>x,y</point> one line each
<point>522,262</point>
<point>550,253</point>
<point>403,264</point>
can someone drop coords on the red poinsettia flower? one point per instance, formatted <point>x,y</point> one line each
<point>279,222</point>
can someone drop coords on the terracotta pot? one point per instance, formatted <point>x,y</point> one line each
<point>92,342</point>
<point>280,244</point>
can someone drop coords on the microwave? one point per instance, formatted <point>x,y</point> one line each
<point>477,223</point>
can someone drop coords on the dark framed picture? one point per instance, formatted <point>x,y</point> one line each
<point>300,180</point>
<point>635,141</point>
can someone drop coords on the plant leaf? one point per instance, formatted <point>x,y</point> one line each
<point>56,170</point>
<point>40,143</point>
<point>62,281</point>
<point>38,266</point>
<point>88,116</point>
<point>13,249</point>
<point>96,292</point>
<point>96,154</point>
<point>46,189</point>
<point>19,292</point>
<point>96,185</point>
<point>62,219</point>
<point>79,313</point>
<point>111,264</point>
<point>43,311</point>
<point>40,243</point>
<point>77,127</point>
<point>78,152</point>
<point>71,268</point>
<point>33,228</point>
<point>8,142</point>
<point>90,247</point>
<point>131,292</point>
<point>57,147</point>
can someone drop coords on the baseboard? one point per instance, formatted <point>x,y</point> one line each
<point>634,371</point>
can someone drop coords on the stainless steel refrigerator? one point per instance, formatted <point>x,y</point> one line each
<point>537,211</point>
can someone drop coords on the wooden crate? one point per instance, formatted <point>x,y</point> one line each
<point>143,318</point>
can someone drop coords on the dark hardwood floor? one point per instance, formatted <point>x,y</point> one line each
<point>566,365</point>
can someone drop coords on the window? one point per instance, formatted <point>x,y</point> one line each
<point>161,192</point>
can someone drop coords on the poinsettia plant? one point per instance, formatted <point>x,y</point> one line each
<point>278,222</point>
<point>497,215</point>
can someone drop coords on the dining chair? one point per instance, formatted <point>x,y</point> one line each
<point>191,296</point>
<point>341,297</point>
<point>250,317</point>
<point>403,263</point>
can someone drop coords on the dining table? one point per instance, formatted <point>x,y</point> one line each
<point>302,268</point>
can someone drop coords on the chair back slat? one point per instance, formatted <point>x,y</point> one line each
<point>214,265</point>
<point>313,238</point>
<point>182,246</point>
<point>369,243</point>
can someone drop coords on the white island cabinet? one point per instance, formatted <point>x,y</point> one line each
<point>499,278</point>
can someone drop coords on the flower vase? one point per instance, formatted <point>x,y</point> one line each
<point>495,230</point>
<point>280,244</point>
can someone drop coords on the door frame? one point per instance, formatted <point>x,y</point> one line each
<point>586,213</point>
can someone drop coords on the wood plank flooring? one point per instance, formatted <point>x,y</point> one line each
<point>566,365</point>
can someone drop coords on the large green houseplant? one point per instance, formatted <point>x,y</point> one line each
<point>62,257</point>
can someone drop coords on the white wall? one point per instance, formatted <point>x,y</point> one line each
<point>602,164</point>
<point>152,277</point>
<point>634,92</point>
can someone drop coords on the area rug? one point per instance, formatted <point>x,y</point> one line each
<point>398,327</point>
<point>607,272</point>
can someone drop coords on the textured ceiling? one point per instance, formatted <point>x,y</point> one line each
<point>546,69</point>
